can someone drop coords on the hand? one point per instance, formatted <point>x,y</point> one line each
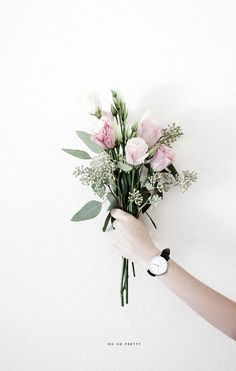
<point>131,238</point>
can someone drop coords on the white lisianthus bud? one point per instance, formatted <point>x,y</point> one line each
<point>131,130</point>
<point>117,132</point>
<point>91,103</point>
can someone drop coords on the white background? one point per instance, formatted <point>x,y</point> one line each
<point>59,281</point>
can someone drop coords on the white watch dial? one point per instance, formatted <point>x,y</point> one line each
<point>158,265</point>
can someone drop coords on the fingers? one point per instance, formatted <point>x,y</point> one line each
<point>119,214</point>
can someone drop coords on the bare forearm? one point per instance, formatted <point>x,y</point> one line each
<point>208,303</point>
<point>133,242</point>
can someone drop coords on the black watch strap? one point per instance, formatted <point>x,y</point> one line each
<point>165,254</point>
<point>153,275</point>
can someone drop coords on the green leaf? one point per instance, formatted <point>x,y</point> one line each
<point>145,194</point>
<point>124,186</point>
<point>110,197</point>
<point>124,167</point>
<point>172,169</point>
<point>77,153</point>
<point>85,137</point>
<point>113,201</point>
<point>90,210</point>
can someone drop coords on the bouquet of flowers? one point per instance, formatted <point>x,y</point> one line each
<point>132,166</point>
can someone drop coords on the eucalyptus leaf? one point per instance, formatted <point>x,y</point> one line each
<point>125,167</point>
<point>113,201</point>
<point>85,137</point>
<point>110,197</point>
<point>90,210</point>
<point>77,153</point>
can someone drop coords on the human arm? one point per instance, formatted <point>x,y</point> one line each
<point>132,241</point>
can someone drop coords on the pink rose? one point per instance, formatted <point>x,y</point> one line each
<point>150,131</point>
<point>104,133</point>
<point>136,151</point>
<point>163,157</point>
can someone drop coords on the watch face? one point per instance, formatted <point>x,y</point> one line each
<point>158,265</point>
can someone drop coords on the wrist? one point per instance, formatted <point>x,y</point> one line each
<point>152,251</point>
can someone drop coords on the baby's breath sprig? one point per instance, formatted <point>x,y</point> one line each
<point>136,197</point>
<point>170,134</point>
<point>155,200</point>
<point>185,179</point>
<point>98,175</point>
<point>162,181</point>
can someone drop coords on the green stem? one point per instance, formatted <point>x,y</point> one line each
<point>140,174</point>
<point>120,196</point>
<point>127,279</point>
<point>124,275</point>
<point>147,176</point>
<point>122,281</point>
<point>113,194</point>
<point>145,203</point>
<point>122,128</point>
<point>132,179</point>
<point>124,290</point>
<point>130,205</point>
<point>133,269</point>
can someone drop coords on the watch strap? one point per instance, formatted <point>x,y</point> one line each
<point>165,254</point>
<point>153,275</point>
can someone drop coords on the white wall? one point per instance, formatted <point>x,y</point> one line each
<point>59,281</point>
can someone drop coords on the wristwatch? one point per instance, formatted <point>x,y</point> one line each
<point>159,264</point>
